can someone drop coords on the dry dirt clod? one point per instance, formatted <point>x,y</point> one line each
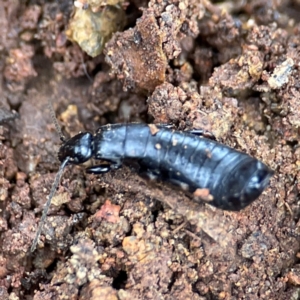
<point>230,68</point>
<point>92,29</point>
<point>109,212</point>
<point>136,55</point>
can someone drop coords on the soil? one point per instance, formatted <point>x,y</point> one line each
<point>230,68</point>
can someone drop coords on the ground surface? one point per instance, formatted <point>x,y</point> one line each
<point>231,68</point>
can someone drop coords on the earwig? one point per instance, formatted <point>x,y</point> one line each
<point>183,158</point>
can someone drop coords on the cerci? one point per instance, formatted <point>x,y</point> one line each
<point>183,158</point>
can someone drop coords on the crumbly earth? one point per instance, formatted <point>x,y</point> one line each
<point>230,68</point>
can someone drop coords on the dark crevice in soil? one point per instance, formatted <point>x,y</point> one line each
<point>120,280</point>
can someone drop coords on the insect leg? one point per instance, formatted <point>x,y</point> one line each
<point>103,168</point>
<point>184,186</point>
<point>98,169</point>
<point>165,125</point>
<point>203,133</point>
<point>152,174</point>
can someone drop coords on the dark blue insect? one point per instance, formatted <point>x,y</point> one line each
<point>234,179</point>
<point>184,158</point>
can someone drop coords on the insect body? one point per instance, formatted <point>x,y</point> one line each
<point>234,179</point>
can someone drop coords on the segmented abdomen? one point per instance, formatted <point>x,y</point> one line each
<point>185,159</point>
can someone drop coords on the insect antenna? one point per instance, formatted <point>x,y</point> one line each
<point>55,183</point>
<point>85,70</point>
<point>54,120</point>
<point>48,203</point>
